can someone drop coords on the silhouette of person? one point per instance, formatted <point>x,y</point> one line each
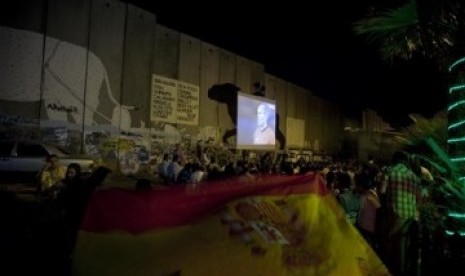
<point>259,90</point>
<point>264,133</point>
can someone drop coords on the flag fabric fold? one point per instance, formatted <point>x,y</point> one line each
<point>276,225</point>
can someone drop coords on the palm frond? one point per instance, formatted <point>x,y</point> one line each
<point>431,163</point>
<point>391,21</point>
<point>435,128</point>
<point>396,30</point>
<point>429,28</point>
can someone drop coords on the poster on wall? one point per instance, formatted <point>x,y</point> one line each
<point>295,132</point>
<point>164,99</point>
<point>188,104</point>
<point>174,101</point>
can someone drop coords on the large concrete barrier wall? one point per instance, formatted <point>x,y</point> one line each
<point>22,27</point>
<point>209,75</point>
<point>83,74</point>
<point>137,61</point>
<point>227,74</point>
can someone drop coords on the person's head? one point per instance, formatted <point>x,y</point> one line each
<point>343,180</point>
<point>73,171</point>
<point>362,182</point>
<point>400,157</point>
<point>371,158</point>
<point>53,160</point>
<point>175,158</point>
<point>263,114</point>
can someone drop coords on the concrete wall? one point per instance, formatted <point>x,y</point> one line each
<point>382,145</point>
<point>79,74</point>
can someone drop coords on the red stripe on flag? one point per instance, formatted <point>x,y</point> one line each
<point>139,211</point>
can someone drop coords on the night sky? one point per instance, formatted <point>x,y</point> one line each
<point>313,45</point>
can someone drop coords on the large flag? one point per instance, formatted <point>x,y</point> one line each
<point>274,225</point>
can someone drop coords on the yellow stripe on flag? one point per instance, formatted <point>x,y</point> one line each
<point>263,235</point>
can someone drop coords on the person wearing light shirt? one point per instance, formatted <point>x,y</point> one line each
<point>51,174</point>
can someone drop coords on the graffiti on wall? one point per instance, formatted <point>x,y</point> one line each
<point>70,102</point>
<point>139,150</point>
<point>15,126</point>
<point>17,120</point>
<point>63,108</point>
<point>170,139</point>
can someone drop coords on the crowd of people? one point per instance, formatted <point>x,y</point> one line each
<point>381,201</point>
<point>179,167</point>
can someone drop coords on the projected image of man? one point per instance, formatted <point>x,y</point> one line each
<point>264,133</point>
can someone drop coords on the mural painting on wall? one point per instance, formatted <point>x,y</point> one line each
<point>94,146</point>
<point>134,154</point>
<point>62,136</point>
<point>166,137</point>
<point>61,100</point>
<point>61,92</point>
<point>127,152</point>
<point>226,93</point>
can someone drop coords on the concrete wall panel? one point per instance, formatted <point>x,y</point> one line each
<point>291,94</point>
<point>64,73</point>
<point>270,84</point>
<point>105,63</point>
<point>258,73</point>
<point>166,52</point>
<point>140,27</point>
<point>21,51</point>
<point>244,74</point>
<point>227,69</point>
<point>209,74</point>
<point>281,103</point>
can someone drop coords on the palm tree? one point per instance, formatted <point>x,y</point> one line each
<point>435,30</point>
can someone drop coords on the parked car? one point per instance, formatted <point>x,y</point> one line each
<point>23,160</point>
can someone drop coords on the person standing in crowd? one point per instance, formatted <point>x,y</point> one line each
<point>51,174</point>
<point>68,186</point>
<point>369,205</point>
<point>174,168</point>
<point>404,199</point>
<point>349,201</point>
<point>266,163</point>
<point>163,168</point>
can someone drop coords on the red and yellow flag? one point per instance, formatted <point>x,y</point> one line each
<point>263,226</point>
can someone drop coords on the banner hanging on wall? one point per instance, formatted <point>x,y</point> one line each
<point>174,101</point>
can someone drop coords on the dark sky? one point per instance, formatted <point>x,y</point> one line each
<point>313,45</point>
